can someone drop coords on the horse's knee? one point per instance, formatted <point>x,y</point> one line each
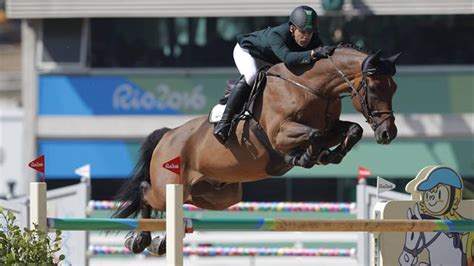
<point>315,136</point>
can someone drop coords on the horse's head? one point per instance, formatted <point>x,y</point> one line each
<point>373,97</point>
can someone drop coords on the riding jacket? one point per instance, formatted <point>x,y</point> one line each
<point>276,44</point>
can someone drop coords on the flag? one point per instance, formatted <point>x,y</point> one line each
<point>38,165</point>
<point>384,185</point>
<point>84,171</point>
<point>173,165</point>
<point>363,172</point>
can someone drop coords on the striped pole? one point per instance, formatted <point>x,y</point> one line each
<point>268,224</point>
<point>328,225</point>
<point>107,224</point>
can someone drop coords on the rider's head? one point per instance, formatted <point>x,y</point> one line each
<point>303,24</point>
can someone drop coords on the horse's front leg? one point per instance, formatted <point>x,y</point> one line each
<point>347,134</point>
<point>300,143</point>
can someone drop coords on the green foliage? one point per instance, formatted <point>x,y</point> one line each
<point>20,247</point>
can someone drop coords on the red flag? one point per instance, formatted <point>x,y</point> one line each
<point>363,172</point>
<point>174,165</point>
<point>38,165</point>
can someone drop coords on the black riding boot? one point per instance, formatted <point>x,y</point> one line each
<point>235,103</point>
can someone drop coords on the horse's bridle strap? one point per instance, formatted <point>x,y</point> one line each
<point>304,87</point>
<point>369,115</point>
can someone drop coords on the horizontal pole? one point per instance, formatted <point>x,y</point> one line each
<point>113,224</point>
<point>333,225</point>
<point>268,224</point>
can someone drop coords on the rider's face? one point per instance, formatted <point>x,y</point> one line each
<point>302,38</point>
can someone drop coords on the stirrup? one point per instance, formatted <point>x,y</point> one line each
<point>221,132</point>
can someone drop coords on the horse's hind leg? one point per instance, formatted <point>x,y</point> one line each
<point>206,195</point>
<point>215,196</point>
<point>138,241</point>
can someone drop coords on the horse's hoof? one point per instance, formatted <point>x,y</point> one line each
<point>157,246</point>
<point>138,242</point>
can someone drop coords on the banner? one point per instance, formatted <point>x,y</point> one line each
<point>38,165</point>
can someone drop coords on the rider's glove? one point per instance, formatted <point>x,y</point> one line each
<point>322,52</point>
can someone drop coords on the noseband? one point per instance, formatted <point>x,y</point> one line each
<point>364,101</point>
<point>419,248</point>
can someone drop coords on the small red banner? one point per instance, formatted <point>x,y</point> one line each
<point>363,172</point>
<point>38,165</point>
<point>173,165</point>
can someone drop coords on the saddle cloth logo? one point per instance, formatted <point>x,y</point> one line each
<point>173,165</point>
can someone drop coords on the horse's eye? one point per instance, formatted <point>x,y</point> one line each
<point>372,89</point>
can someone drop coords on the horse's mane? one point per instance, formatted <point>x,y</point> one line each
<point>354,47</point>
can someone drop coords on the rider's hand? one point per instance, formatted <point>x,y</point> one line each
<point>322,52</point>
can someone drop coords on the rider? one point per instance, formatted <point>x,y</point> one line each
<point>294,43</point>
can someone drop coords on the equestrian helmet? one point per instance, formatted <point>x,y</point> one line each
<point>304,18</point>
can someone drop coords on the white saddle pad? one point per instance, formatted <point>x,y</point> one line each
<point>216,113</point>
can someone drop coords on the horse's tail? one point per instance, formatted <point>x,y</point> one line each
<point>130,194</point>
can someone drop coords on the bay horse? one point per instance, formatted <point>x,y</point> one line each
<point>295,123</point>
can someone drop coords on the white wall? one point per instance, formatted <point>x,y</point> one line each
<point>11,134</point>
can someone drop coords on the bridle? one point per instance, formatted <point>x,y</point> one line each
<point>421,240</point>
<point>364,101</point>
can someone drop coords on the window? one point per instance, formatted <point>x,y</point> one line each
<point>424,40</point>
<point>169,42</point>
<point>208,42</point>
<point>63,43</point>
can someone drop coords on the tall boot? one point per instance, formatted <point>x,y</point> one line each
<point>235,103</point>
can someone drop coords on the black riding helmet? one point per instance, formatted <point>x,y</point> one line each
<point>304,18</point>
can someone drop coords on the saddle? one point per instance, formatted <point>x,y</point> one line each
<point>277,165</point>
<point>258,86</point>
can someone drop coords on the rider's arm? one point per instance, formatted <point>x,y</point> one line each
<point>281,50</point>
<point>286,55</point>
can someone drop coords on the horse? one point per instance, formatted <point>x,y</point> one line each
<point>443,248</point>
<point>294,122</point>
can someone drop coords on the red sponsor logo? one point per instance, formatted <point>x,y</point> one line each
<point>363,172</point>
<point>173,165</point>
<point>38,164</point>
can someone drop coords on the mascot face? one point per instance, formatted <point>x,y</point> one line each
<point>436,200</point>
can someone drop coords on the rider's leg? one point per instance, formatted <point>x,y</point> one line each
<point>248,67</point>
<point>235,102</point>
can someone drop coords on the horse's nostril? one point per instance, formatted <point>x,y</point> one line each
<point>385,135</point>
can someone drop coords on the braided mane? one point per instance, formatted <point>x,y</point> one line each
<point>354,47</point>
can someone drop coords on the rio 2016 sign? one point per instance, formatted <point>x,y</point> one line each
<point>171,94</point>
<point>127,97</point>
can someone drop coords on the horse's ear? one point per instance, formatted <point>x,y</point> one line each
<point>393,58</point>
<point>369,65</point>
<point>376,56</point>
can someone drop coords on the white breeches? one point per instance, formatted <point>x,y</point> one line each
<point>247,65</point>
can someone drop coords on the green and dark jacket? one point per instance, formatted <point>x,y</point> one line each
<point>276,44</point>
